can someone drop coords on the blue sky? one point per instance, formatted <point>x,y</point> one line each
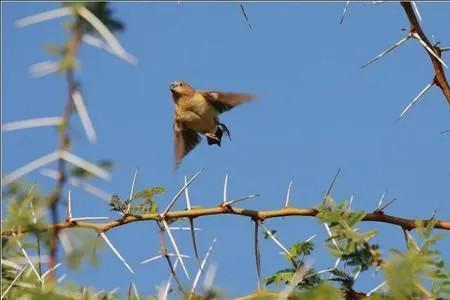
<point>316,111</point>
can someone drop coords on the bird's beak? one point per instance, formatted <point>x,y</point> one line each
<point>172,86</point>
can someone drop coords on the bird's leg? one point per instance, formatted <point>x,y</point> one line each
<point>225,129</point>
<point>212,139</point>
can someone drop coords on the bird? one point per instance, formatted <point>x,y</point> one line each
<point>197,113</point>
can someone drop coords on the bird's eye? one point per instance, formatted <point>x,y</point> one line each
<point>181,84</point>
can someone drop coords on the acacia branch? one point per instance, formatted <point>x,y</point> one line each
<point>380,217</point>
<point>439,75</point>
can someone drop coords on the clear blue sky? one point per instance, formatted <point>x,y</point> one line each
<point>316,111</point>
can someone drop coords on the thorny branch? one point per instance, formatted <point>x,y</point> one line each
<point>415,28</point>
<point>64,143</point>
<point>380,217</point>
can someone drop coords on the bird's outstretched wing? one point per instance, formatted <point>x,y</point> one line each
<point>224,101</point>
<point>185,140</point>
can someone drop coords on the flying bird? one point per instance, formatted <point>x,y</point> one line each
<point>197,112</point>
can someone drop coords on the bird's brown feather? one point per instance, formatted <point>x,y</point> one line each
<point>185,140</point>
<point>224,101</point>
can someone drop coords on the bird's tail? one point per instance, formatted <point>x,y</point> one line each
<point>221,129</point>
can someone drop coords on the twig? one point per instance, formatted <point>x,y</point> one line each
<point>31,123</point>
<point>440,78</point>
<point>249,213</point>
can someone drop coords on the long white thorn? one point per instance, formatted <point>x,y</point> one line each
<point>44,16</point>
<point>209,277</point>
<point>161,256</point>
<point>381,200</point>
<point>277,242</point>
<point>103,235</point>
<point>69,206</point>
<point>202,266</point>
<point>410,105</point>
<point>43,68</point>
<point>376,288</point>
<point>30,263</point>
<point>135,291</point>
<point>347,4</point>
<point>327,228</point>
<point>416,9</point>
<point>431,51</point>
<point>35,164</point>
<point>175,247</point>
<point>31,123</point>
<point>103,31</point>
<point>186,228</point>
<point>61,278</point>
<point>13,282</point>
<point>98,43</point>
<point>84,116</point>
<point>89,188</point>
<point>240,199</point>
<point>186,194</point>
<point>84,164</point>
<point>172,202</point>
<point>404,39</point>
<point>225,190</point>
<point>288,194</point>
<point>50,270</point>
<point>130,197</point>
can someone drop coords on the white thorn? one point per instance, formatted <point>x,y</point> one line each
<point>13,282</point>
<point>50,270</point>
<point>35,164</point>
<point>84,116</point>
<point>431,51</point>
<point>172,202</point>
<point>84,164</point>
<point>69,207</point>
<point>43,68</point>
<point>175,247</point>
<point>44,16</point>
<point>186,194</point>
<point>31,123</point>
<point>376,288</point>
<point>288,194</point>
<point>161,256</point>
<point>202,266</point>
<point>409,106</point>
<point>103,31</point>
<point>135,291</point>
<point>332,240</point>
<point>30,263</point>
<point>103,235</point>
<point>130,197</point>
<point>209,277</point>
<point>185,228</point>
<point>381,201</point>
<point>61,278</point>
<point>404,39</point>
<point>11,264</point>
<point>411,238</point>
<point>240,199</point>
<point>347,4</point>
<point>225,188</point>
<point>350,202</point>
<point>98,43</point>
<point>269,233</point>
<point>89,188</point>
<point>416,9</point>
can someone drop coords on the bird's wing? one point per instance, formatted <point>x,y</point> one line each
<point>185,140</point>
<point>224,101</point>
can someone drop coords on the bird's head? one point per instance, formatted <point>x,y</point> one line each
<point>181,88</point>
